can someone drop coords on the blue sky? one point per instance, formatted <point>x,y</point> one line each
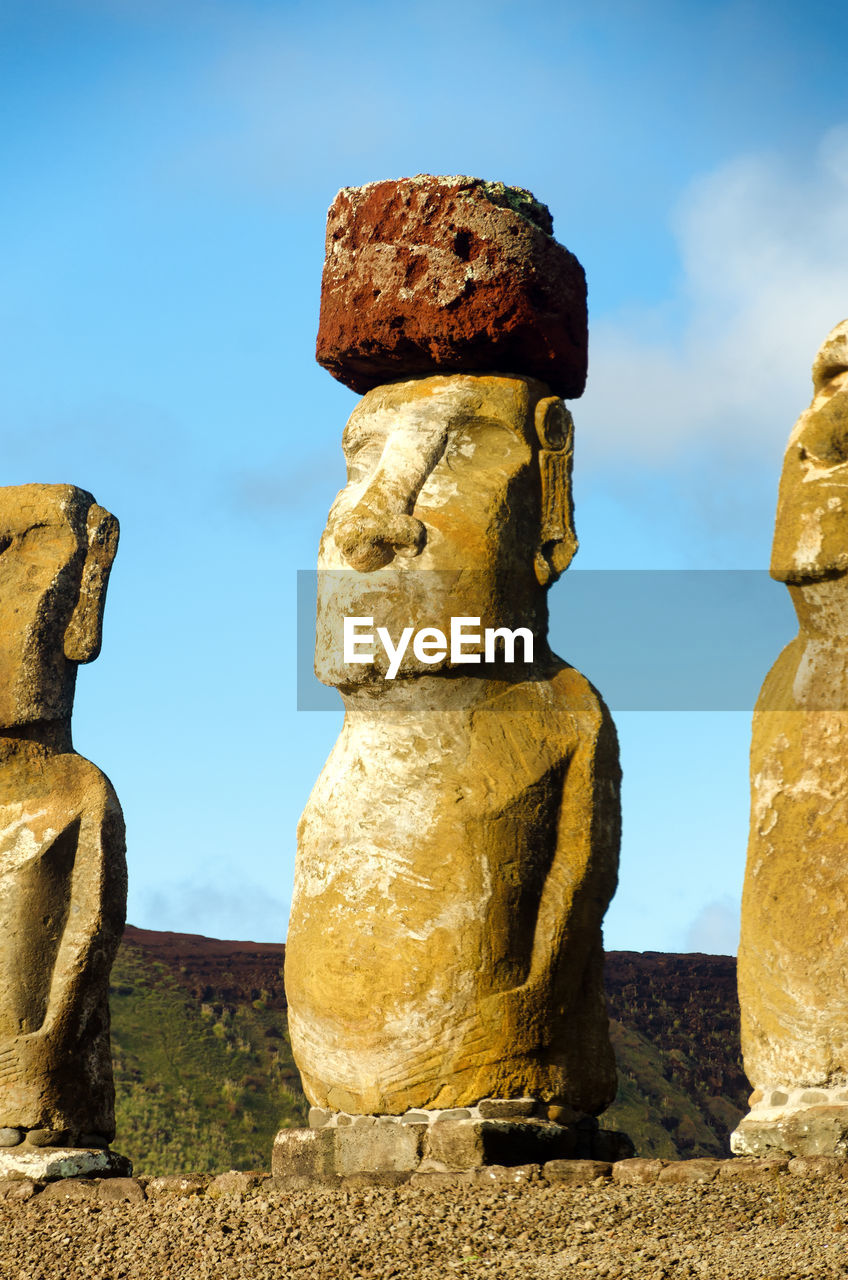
<point>167,171</point>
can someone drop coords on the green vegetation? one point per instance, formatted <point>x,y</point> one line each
<point>675,1030</point>
<point>200,1087</point>
<point>658,1114</point>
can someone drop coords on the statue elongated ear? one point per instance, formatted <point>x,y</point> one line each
<point>557,540</point>
<point>85,630</point>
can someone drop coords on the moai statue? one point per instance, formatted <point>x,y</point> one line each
<point>63,869</point>
<point>793,954</point>
<point>459,850</point>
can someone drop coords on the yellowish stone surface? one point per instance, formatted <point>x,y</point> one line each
<point>793,956</point>
<point>62,863</point>
<point>458,852</point>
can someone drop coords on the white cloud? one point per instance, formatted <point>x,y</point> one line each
<point>715,929</point>
<point>241,911</point>
<point>764,253</point>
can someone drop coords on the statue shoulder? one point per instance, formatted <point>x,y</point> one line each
<point>777,692</point>
<point>559,713</point>
<point>78,784</point>
<point>574,693</point>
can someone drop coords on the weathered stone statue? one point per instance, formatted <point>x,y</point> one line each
<point>62,863</point>
<point>460,847</point>
<point>793,955</point>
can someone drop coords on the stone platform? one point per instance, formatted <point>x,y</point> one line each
<point>795,1122</point>
<point>501,1132</point>
<point>44,1163</point>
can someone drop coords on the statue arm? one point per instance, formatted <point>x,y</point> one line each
<point>83,888</point>
<point>95,918</point>
<point>583,872</point>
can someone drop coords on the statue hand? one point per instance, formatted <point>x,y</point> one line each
<point>22,1058</point>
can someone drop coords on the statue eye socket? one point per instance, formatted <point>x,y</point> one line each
<point>826,436</point>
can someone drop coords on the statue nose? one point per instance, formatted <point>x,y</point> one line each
<point>370,539</point>
<point>381,524</point>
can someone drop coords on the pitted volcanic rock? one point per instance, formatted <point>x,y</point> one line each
<point>432,274</point>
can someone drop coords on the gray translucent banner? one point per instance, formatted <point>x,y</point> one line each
<point>649,640</point>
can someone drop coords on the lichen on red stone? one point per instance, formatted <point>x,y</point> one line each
<point>449,274</point>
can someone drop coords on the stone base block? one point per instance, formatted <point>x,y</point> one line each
<point>43,1164</point>
<point>754,1169</point>
<point>454,1141</point>
<point>178,1185</point>
<point>333,1153</point>
<point>794,1122</point>
<point>577,1172</point>
<point>637,1171</point>
<point>470,1144</point>
<point>685,1171</point>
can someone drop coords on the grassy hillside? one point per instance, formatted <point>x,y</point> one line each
<point>204,1074</point>
<point>200,1085</point>
<point>675,1029</point>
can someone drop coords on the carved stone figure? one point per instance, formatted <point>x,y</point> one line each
<point>793,955</point>
<point>459,850</point>
<point>62,852</point>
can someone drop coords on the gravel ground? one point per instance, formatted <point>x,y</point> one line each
<point>784,1228</point>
